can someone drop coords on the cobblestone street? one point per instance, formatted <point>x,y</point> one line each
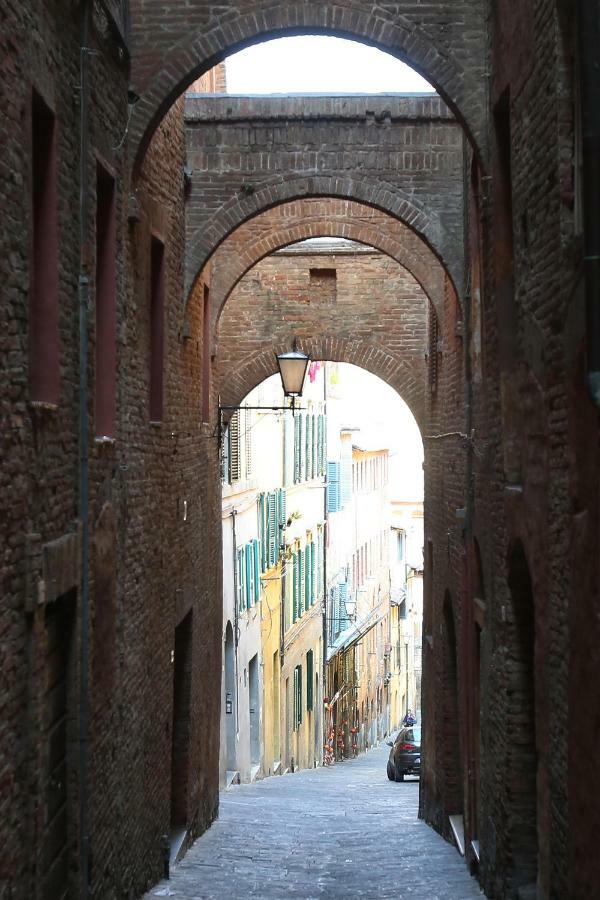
<point>344,831</point>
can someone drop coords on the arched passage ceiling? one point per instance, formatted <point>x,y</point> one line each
<point>173,45</point>
<point>399,154</point>
<point>377,320</point>
<point>324,217</point>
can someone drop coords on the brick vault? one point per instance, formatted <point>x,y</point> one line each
<point>141,236</point>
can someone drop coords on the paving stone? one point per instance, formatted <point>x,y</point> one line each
<point>343,831</point>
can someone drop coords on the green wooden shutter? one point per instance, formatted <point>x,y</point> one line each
<point>256,572</point>
<point>315,448</point>
<point>297,697</point>
<point>297,426</point>
<point>313,572</point>
<point>309,680</point>
<point>307,576</point>
<point>294,576</point>
<point>301,597</point>
<point>273,530</point>
<point>261,532</point>
<point>306,474</point>
<point>248,575</point>
<point>320,445</point>
<point>281,507</point>
<point>240,579</point>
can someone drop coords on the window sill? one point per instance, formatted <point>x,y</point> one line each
<point>103,440</point>
<point>43,406</point>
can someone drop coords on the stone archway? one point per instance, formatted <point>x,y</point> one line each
<point>171,50</point>
<point>307,218</point>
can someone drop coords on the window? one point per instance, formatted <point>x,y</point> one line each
<point>309,680</point>
<point>157,313</point>
<point>106,303</point>
<point>44,364</point>
<point>297,697</point>
<point>323,285</point>
<point>432,353</point>
<point>206,355</point>
<point>235,450</point>
<point>333,486</point>
<point>401,545</point>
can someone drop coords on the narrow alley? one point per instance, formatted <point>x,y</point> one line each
<point>340,831</point>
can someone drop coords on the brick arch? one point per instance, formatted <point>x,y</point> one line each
<point>306,218</point>
<point>234,383</point>
<point>368,191</point>
<point>171,53</point>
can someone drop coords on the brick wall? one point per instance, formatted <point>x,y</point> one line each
<point>403,155</point>
<point>446,43</point>
<point>378,320</point>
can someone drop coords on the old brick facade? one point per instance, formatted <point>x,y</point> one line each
<point>123,576</point>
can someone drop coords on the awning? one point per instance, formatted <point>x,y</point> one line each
<point>353,634</point>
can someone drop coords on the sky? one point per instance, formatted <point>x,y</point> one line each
<point>318,64</point>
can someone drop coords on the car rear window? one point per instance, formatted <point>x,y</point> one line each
<point>413,735</point>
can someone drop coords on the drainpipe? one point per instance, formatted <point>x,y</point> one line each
<point>233,514</point>
<point>588,24</point>
<point>325,589</point>
<point>83,464</point>
<point>467,612</point>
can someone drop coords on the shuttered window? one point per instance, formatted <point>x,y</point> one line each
<point>248,442</point>
<point>320,446</point>
<point>344,622</point>
<point>333,486</point>
<point>315,448</point>
<point>294,575</point>
<point>308,447</point>
<point>309,679</point>
<point>248,580</point>
<point>320,563</point>
<point>297,449</point>
<point>308,576</point>
<point>297,697</point>
<point>235,455</point>
<point>256,569</point>
<point>240,574</point>
<point>272,529</point>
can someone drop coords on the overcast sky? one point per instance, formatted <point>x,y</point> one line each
<point>318,64</point>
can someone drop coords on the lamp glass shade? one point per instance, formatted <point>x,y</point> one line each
<point>292,368</point>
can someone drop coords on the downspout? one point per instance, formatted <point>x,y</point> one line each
<point>83,466</point>
<point>468,618</point>
<point>233,514</point>
<point>325,589</point>
<point>588,25</point>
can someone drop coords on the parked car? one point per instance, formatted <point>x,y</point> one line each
<point>405,755</point>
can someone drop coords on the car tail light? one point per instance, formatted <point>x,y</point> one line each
<point>407,747</point>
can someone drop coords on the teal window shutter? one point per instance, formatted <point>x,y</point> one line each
<point>307,446</point>
<point>313,572</point>
<point>294,586</point>
<point>273,530</point>
<point>296,449</point>
<point>297,697</point>
<point>320,445</point>
<point>240,579</point>
<point>333,486</point>
<point>256,572</point>
<point>281,506</point>
<point>307,597</point>
<point>248,575</point>
<point>309,680</point>
<point>343,608</point>
<point>315,450</point>
<point>301,563</point>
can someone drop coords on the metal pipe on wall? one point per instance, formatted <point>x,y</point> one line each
<point>83,425</point>
<point>588,26</point>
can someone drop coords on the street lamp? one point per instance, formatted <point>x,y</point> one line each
<point>292,367</point>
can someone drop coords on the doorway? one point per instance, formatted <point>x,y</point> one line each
<point>275,711</point>
<point>180,733</point>
<point>230,699</point>
<point>254,706</point>
<point>57,771</point>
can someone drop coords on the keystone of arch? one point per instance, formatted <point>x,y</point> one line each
<point>427,272</point>
<point>234,383</point>
<point>385,197</point>
<point>195,50</point>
